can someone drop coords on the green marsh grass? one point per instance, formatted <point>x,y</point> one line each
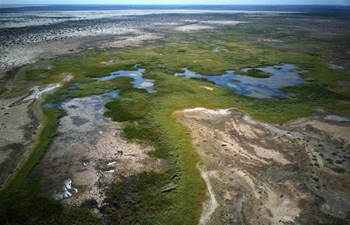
<point>257,73</point>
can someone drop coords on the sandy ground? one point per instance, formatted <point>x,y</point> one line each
<point>261,173</point>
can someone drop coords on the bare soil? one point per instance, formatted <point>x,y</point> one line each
<point>260,173</point>
<point>17,126</point>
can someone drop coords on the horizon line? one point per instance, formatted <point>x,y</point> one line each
<point>90,6</point>
<point>19,4</point>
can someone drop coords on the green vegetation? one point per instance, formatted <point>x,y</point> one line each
<point>28,206</point>
<point>337,169</point>
<point>97,88</point>
<point>257,73</point>
<point>130,107</point>
<point>172,196</point>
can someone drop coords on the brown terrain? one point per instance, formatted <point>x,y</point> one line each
<point>260,173</point>
<point>16,127</point>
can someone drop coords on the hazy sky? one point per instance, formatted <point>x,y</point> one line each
<point>201,2</point>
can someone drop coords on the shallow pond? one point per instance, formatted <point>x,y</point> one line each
<point>262,88</point>
<point>139,81</point>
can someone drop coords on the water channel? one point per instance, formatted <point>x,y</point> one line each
<point>139,81</point>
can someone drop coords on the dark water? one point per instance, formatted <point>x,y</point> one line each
<point>261,88</point>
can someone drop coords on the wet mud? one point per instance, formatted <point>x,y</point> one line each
<point>89,155</point>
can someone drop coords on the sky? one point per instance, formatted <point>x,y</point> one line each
<point>181,2</point>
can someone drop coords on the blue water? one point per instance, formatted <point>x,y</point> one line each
<point>139,81</point>
<point>261,88</point>
<point>104,98</point>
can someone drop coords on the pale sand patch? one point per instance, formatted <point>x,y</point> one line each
<point>112,61</point>
<point>222,22</point>
<point>134,41</point>
<point>193,27</point>
<point>220,48</point>
<point>337,118</point>
<point>269,127</point>
<point>211,204</point>
<point>234,147</point>
<point>208,88</point>
<point>271,40</point>
<point>284,208</point>
<point>205,60</point>
<point>147,84</point>
<point>208,111</point>
<point>37,91</point>
<point>270,153</point>
<point>12,121</point>
<point>248,180</point>
<point>336,67</point>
